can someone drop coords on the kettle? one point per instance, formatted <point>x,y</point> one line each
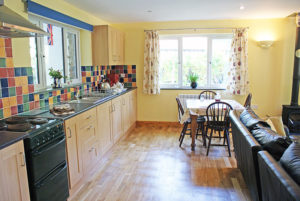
<point>105,85</point>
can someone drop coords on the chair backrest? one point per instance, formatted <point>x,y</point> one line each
<point>208,94</point>
<point>248,100</point>
<point>217,115</point>
<point>180,109</point>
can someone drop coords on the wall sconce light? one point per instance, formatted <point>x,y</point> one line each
<point>265,43</point>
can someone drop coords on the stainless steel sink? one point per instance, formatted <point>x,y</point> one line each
<point>86,100</point>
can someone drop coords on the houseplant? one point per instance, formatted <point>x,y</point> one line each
<point>193,77</point>
<point>56,75</point>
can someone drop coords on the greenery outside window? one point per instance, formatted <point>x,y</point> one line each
<point>206,55</point>
<point>60,52</point>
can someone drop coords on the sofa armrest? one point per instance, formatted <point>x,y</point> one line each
<point>276,184</point>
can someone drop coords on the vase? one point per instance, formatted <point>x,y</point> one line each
<point>194,85</point>
<point>54,82</point>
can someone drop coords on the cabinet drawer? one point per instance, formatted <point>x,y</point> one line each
<point>86,118</point>
<point>88,131</point>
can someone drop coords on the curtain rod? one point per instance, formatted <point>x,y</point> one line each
<point>194,28</point>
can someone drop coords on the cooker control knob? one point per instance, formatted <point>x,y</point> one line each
<point>44,139</point>
<point>36,142</point>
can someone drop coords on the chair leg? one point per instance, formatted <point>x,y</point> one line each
<point>197,131</point>
<point>209,141</point>
<point>228,141</point>
<point>203,134</point>
<point>183,133</point>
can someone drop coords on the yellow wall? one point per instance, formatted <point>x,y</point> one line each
<point>270,70</point>
<point>21,46</point>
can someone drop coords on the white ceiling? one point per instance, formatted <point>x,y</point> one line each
<point>177,10</point>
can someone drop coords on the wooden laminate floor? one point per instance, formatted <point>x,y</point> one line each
<point>148,165</point>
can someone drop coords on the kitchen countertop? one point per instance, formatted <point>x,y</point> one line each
<point>8,138</point>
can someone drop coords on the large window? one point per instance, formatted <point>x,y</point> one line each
<point>205,55</point>
<point>59,51</point>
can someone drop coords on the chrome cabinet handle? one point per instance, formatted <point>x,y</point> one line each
<point>70,132</point>
<point>23,163</point>
<point>90,127</point>
<point>88,117</point>
<point>91,149</point>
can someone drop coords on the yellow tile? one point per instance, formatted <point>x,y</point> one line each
<point>129,71</point>
<point>24,80</point>
<point>51,101</point>
<point>5,102</point>
<point>25,89</point>
<point>88,74</point>
<point>6,112</point>
<point>36,97</point>
<point>83,80</point>
<point>58,92</point>
<point>2,52</point>
<point>18,81</point>
<point>72,89</point>
<point>13,101</point>
<point>9,62</point>
<point>2,43</point>
<point>69,96</point>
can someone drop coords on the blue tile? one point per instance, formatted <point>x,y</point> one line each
<point>31,97</point>
<point>88,79</point>
<point>129,75</point>
<point>41,96</point>
<point>4,92</point>
<point>30,79</point>
<point>47,102</point>
<point>24,71</point>
<point>20,108</point>
<point>4,82</point>
<point>58,98</point>
<point>133,66</point>
<point>113,67</point>
<point>82,68</point>
<point>125,71</point>
<point>62,91</point>
<point>50,94</point>
<point>133,79</point>
<point>18,72</point>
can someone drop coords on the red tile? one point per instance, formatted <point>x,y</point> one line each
<point>10,72</point>
<point>31,105</point>
<point>53,93</point>
<point>31,88</point>
<point>11,82</point>
<point>83,74</point>
<point>1,104</point>
<point>65,91</point>
<point>8,51</point>
<point>14,110</point>
<point>133,70</point>
<point>129,79</point>
<point>37,104</point>
<point>7,42</point>
<point>19,90</point>
<point>20,100</point>
<point>3,72</point>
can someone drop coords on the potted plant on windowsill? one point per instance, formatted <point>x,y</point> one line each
<point>56,75</point>
<point>193,77</point>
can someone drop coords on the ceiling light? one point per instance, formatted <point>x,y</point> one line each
<point>242,7</point>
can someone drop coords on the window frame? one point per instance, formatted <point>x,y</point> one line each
<point>179,38</point>
<point>38,20</point>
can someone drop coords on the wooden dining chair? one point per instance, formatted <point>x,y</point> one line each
<point>217,120</point>
<point>185,129</point>
<point>248,100</point>
<point>208,94</point>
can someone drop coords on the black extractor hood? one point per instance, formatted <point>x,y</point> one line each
<point>13,25</point>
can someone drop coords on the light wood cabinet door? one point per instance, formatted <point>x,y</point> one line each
<point>126,112</point>
<point>133,107</point>
<point>13,174</point>
<point>91,154</point>
<point>73,152</point>
<point>104,118</point>
<point>117,129</point>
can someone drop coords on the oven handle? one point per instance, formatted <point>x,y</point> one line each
<point>49,146</point>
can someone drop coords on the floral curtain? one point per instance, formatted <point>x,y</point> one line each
<point>238,72</point>
<point>151,63</point>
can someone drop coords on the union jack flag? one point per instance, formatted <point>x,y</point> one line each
<point>49,30</point>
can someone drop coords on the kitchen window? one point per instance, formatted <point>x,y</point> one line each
<point>206,55</point>
<point>59,51</point>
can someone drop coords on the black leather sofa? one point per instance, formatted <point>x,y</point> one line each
<point>265,178</point>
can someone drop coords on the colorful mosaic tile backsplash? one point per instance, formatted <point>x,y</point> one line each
<point>93,74</point>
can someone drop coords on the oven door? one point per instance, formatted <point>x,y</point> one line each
<point>54,187</point>
<point>44,159</point>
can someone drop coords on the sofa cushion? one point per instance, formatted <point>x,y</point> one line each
<point>270,140</point>
<point>290,161</point>
<point>250,119</point>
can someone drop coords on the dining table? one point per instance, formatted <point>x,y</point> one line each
<point>197,107</point>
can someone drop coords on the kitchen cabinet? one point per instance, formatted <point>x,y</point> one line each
<point>132,107</point>
<point>13,173</point>
<point>125,112</point>
<point>104,119</point>
<point>107,46</point>
<point>117,128</point>
<point>73,152</point>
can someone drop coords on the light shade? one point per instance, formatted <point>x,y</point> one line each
<point>265,43</point>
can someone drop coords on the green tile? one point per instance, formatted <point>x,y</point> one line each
<point>129,84</point>
<point>25,98</point>
<point>0,93</point>
<point>2,62</point>
<point>125,67</point>
<point>42,103</point>
<point>46,95</point>
<point>55,99</point>
<point>26,107</point>
<point>87,68</point>
<point>12,91</point>
<point>72,95</point>
<point>29,71</point>
<point>1,114</point>
<point>69,90</point>
<point>133,75</point>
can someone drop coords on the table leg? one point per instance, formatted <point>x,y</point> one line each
<point>193,129</point>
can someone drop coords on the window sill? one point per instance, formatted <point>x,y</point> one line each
<point>189,88</point>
